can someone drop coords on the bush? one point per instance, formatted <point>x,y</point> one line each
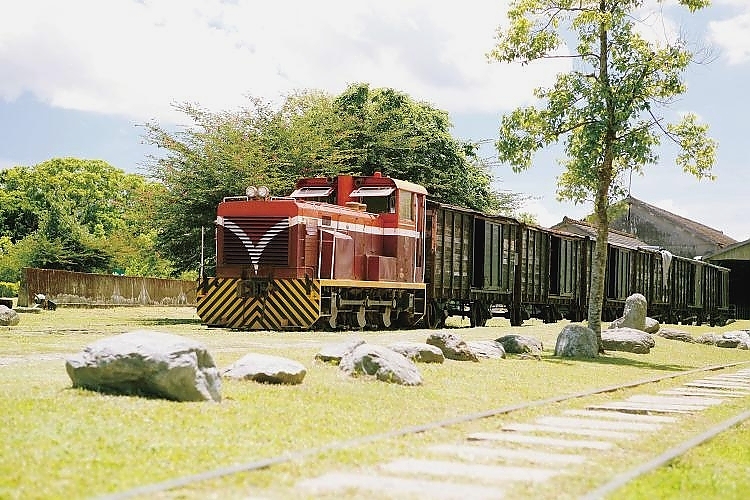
<point>8,289</point>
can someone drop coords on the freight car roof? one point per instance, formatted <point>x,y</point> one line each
<point>614,237</point>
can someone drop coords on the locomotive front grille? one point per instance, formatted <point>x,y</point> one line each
<point>256,241</point>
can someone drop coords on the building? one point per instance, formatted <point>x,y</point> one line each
<point>737,258</point>
<point>664,229</point>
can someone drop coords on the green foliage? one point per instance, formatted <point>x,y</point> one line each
<point>74,214</point>
<point>607,111</point>
<point>8,289</point>
<point>359,132</point>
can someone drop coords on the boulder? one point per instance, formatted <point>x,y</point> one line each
<point>633,314</point>
<point>452,345</point>
<point>332,353</point>
<point>652,326</point>
<point>519,344</point>
<point>708,339</point>
<point>386,365</point>
<point>672,334</point>
<point>8,317</point>
<point>738,339</point>
<point>627,340</point>
<point>577,341</point>
<point>488,349</point>
<point>266,368</point>
<point>147,363</point>
<point>418,352</point>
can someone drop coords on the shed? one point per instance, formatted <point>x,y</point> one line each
<point>737,258</point>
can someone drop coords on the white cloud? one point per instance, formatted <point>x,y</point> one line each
<point>731,34</point>
<point>136,58</point>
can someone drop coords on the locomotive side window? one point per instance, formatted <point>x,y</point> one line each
<point>406,206</point>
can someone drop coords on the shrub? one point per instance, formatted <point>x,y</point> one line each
<point>8,289</point>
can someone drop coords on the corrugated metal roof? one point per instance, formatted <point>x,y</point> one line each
<point>614,237</point>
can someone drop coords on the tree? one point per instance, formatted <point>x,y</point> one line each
<point>359,132</point>
<point>607,110</point>
<point>385,130</point>
<point>63,206</point>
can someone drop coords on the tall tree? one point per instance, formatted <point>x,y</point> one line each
<point>359,132</point>
<point>608,110</point>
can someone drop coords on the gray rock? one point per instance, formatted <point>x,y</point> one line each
<point>520,344</point>
<point>452,345</point>
<point>9,317</point>
<point>147,363</point>
<point>386,365</point>
<point>577,341</point>
<point>652,326</point>
<point>332,353</point>
<point>708,339</point>
<point>672,334</point>
<point>266,368</point>
<point>738,339</point>
<point>627,340</point>
<point>418,352</point>
<point>633,315</point>
<point>489,349</point>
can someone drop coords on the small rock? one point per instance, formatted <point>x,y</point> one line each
<point>577,341</point>
<point>386,365</point>
<point>452,345</point>
<point>418,352</point>
<point>8,317</point>
<point>266,368</point>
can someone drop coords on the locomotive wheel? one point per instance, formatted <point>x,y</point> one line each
<point>359,319</point>
<point>385,318</point>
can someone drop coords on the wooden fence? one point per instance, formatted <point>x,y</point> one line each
<point>66,288</point>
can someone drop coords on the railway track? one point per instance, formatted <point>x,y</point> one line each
<point>501,456</point>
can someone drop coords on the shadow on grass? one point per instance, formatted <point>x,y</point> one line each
<point>609,359</point>
<point>169,321</point>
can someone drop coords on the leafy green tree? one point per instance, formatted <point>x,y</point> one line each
<point>61,242</point>
<point>607,110</point>
<point>385,130</point>
<point>97,206</point>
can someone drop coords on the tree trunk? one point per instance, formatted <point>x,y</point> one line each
<point>599,264</point>
<point>601,201</point>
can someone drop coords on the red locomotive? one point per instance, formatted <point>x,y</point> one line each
<point>345,251</point>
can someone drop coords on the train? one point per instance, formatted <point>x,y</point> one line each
<point>356,252</point>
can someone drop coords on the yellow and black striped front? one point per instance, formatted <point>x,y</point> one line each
<point>268,305</point>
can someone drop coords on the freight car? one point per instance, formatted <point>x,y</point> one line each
<point>371,251</point>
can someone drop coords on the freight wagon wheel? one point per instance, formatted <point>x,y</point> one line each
<point>477,315</point>
<point>433,316</point>
<point>515,316</point>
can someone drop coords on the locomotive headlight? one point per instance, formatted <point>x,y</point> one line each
<point>263,191</point>
<point>251,192</point>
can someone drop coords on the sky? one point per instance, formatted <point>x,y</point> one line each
<point>80,78</point>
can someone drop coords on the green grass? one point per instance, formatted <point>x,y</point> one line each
<point>59,442</point>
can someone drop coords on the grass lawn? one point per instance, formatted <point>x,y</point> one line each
<point>59,442</point>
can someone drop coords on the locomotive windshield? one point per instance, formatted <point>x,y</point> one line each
<point>314,193</point>
<point>377,198</point>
